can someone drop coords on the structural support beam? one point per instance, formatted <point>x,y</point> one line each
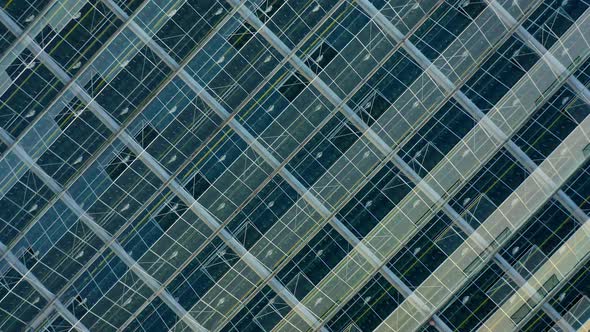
<point>44,113</point>
<point>163,175</point>
<point>575,34</point>
<point>313,201</point>
<point>42,316</point>
<point>446,83</point>
<point>497,229</point>
<point>323,211</point>
<point>288,177</point>
<point>53,13</point>
<point>279,46</point>
<point>37,131</point>
<point>418,56</point>
<point>125,19</point>
<point>317,205</point>
<point>572,255</point>
<point>100,232</point>
<point>479,115</point>
<point>232,243</point>
<point>69,201</point>
<point>38,285</point>
<point>385,272</point>
<point>313,79</point>
<point>532,42</point>
<point>448,177</point>
<point>297,185</point>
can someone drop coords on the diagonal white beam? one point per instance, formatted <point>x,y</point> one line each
<point>298,186</point>
<point>84,79</point>
<point>102,234</point>
<point>250,260</point>
<point>457,219</point>
<point>540,49</point>
<point>69,201</point>
<point>17,31</point>
<point>567,259</point>
<point>176,187</point>
<point>289,177</point>
<point>496,230</point>
<point>40,288</point>
<point>55,14</point>
<point>308,73</point>
<point>36,131</point>
<point>400,39</point>
<point>341,231</point>
<point>146,204</point>
<point>560,196</point>
<point>42,316</point>
<point>511,146</point>
<point>385,272</point>
<point>20,236</point>
<point>467,104</point>
<point>477,114</point>
<point>447,177</point>
<point>574,34</point>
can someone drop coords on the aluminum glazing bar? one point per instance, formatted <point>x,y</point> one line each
<point>540,49</point>
<point>447,177</point>
<point>101,233</point>
<point>42,316</point>
<point>41,289</point>
<point>203,214</point>
<point>258,27</point>
<point>41,132</point>
<point>514,210</point>
<point>42,147</point>
<point>56,14</point>
<point>551,275</point>
<point>268,255</point>
<point>299,186</point>
<point>179,190</point>
<point>446,83</point>
<point>385,271</point>
<point>457,219</point>
<point>301,190</point>
<point>69,201</point>
<point>464,101</point>
<point>470,257</point>
<point>252,261</point>
<point>316,205</point>
<point>317,82</point>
